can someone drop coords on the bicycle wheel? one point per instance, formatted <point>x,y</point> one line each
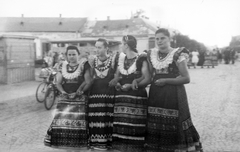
<point>40,92</point>
<point>49,97</point>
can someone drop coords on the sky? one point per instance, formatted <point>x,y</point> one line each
<point>212,22</point>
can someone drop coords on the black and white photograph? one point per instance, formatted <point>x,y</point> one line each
<point>119,75</point>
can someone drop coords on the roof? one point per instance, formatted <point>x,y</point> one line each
<point>134,26</point>
<point>41,24</point>
<point>17,36</point>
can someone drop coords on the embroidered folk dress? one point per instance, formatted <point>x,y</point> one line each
<point>195,58</point>
<point>169,124</point>
<point>101,101</point>
<point>69,126</point>
<point>130,109</point>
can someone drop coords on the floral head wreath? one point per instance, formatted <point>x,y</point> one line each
<point>126,38</point>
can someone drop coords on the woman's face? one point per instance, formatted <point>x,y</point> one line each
<point>72,56</point>
<point>124,47</point>
<point>162,41</point>
<point>100,48</point>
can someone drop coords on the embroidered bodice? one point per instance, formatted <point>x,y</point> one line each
<point>125,67</point>
<point>104,69</point>
<point>161,63</point>
<point>168,63</point>
<point>71,72</point>
<point>130,68</point>
<point>73,76</point>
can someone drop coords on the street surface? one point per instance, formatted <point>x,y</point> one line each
<point>214,102</point>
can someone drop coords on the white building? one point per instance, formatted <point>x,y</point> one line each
<point>43,28</point>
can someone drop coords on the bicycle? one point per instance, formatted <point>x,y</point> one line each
<point>42,87</point>
<point>52,91</point>
<point>48,89</point>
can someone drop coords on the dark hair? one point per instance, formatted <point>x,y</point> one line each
<point>131,41</point>
<point>72,47</point>
<point>105,42</point>
<point>164,31</point>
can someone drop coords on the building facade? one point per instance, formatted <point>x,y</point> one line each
<point>141,28</point>
<point>43,29</point>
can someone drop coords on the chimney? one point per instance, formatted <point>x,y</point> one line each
<point>22,20</point>
<point>108,18</point>
<point>60,22</point>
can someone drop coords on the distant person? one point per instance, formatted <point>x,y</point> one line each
<point>47,61</point>
<point>55,58</point>
<point>214,57</point>
<point>232,55</point>
<point>201,58</point>
<point>69,126</point>
<point>58,65</point>
<point>219,56</point>
<point>195,58</point>
<point>170,127</point>
<point>208,59</point>
<point>46,66</point>
<point>227,55</point>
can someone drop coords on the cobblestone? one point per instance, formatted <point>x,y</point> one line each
<point>214,102</point>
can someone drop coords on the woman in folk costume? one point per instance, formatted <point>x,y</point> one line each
<point>169,126</point>
<point>130,109</point>
<point>69,126</point>
<point>195,58</point>
<point>101,99</point>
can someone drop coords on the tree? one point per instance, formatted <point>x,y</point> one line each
<point>180,40</point>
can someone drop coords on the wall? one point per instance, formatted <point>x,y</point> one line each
<point>2,62</point>
<point>142,44</point>
<point>19,62</point>
<point>42,37</point>
<point>38,47</point>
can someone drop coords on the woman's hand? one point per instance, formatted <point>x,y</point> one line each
<point>113,82</point>
<point>72,95</point>
<point>118,86</point>
<point>63,94</point>
<point>79,92</point>
<point>126,87</point>
<point>160,82</point>
<point>134,85</point>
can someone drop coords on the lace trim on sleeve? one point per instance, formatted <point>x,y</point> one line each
<point>182,57</point>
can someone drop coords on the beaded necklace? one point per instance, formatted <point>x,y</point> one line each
<point>105,64</point>
<point>67,75</point>
<point>102,69</point>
